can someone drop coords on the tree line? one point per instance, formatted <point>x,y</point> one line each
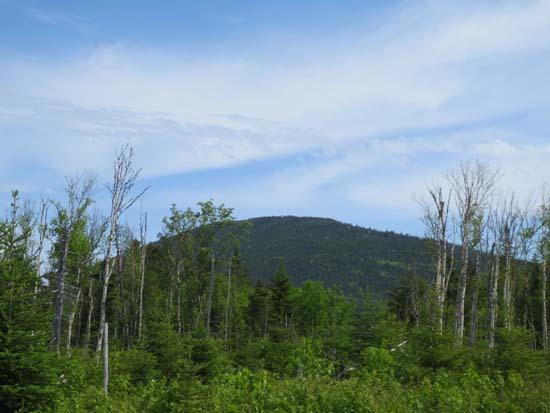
<point>491,253</point>
<point>182,327</point>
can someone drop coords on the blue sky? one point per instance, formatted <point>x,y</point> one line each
<point>321,108</point>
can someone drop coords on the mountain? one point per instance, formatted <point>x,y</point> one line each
<point>333,252</point>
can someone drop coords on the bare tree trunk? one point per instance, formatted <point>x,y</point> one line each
<point>90,312</point>
<point>60,293</point>
<point>493,295</point>
<point>74,308</point>
<point>71,319</point>
<point>440,282</point>
<point>227,306</point>
<point>209,302</point>
<point>42,229</point>
<point>194,321</point>
<point>143,236</point>
<point>121,290</point>
<point>178,300</point>
<point>435,217</point>
<point>78,190</point>
<point>445,287</point>
<point>79,324</point>
<point>73,311</point>
<point>106,359</point>
<point>507,291</point>
<point>106,277</point>
<point>178,310</point>
<point>124,179</point>
<point>171,294</point>
<point>233,313</point>
<point>473,185</point>
<point>461,295</point>
<point>543,296</point>
<point>473,313</point>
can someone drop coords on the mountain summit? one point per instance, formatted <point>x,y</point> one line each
<point>333,252</point>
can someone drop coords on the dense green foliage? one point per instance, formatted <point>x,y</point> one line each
<point>191,331</point>
<point>327,250</point>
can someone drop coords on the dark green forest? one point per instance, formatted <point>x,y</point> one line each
<point>326,250</point>
<point>273,314</point>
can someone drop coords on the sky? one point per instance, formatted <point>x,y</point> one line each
<point>340,109</point>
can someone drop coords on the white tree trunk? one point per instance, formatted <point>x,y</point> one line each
<point>143,234</point>
<point>507,290</point>
<point>493,296</point>
<point>227,306</point>
<point>473,313</point>
<point>74,309</point>
<point>60,294</point>
<point>90,313</point>
<point>105,288</point>
<point>209,302</point>
<point>461,295</point>
<point>106,359</point>
<point>543,296</point>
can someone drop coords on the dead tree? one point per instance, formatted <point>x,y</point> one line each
<point>210,292</point>
<point>95,230</point>
<point>74,308</point>
<point>543,293</point>
<point>79,191</point>
<point>436,218</point>
<point>121,288</point>
<point>510,218</point>
<point>227,305</point>
<point>106,359</point>
<point>472,184</point>
<point>475,299</point>
<point>479,230</point>
<point>545,223</point>
<point>124,179</point>
<point>42,232</point>
<point>90,313</point>
<point>143,253</point>
<point>495,226</point>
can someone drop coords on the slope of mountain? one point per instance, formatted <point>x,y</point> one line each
<point>333,252</point>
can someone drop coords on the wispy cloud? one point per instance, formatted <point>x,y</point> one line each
<point>54,17</point>
<point>374,113</point>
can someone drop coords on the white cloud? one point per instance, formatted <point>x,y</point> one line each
<point>421,60</point>
<point>378,112</point>
<point>66,138</point>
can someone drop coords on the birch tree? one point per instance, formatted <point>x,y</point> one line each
<point>124,180</point>
<point>96,229</point>
<point>473,185</point>
<point>42,229</point>
<point>495,226</point>
<point>436,218</point>
<point>511,217</point>
<point>543,247</point>
<point>92,235</point>
<point>478,230</point>
<point>529,227</point>
<point>143,254</point>
<point>79,190</point>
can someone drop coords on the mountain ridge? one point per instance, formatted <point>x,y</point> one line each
<point>336,253</point>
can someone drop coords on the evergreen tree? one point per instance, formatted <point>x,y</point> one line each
<point>281,315</point>
<point>259,310</point>
<point>27,371</point>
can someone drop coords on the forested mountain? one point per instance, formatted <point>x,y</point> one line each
<point>184,323</point>
<point>326,250</point>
